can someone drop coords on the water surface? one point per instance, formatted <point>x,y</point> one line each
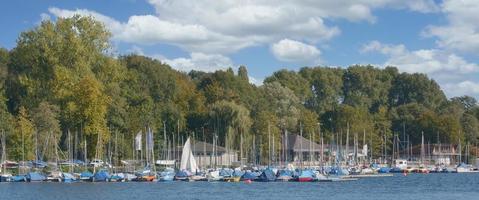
<point>414,186</point>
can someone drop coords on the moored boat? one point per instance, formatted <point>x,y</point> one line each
<point>101,176</point>
<point>86,176</point>
<point>167,175</point>
<point>18,178</point>
<point>249,176</point>
<point>305,176</point>
<point>35,177</point>
<point>267,175</point>
<point>117,177</point>
<point>214,176</point>
<point>69,178</point>
<point>284,175</point>
<point>182,175</point>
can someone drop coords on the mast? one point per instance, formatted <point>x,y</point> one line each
<point>301,145</point>
<point>269,145</point>
<point>460,152</point>
<point>215,139</point>
<point>23,150</point>
<point>322,145</point>
<point>254,150</point>
<point>177,136</point>
<point>364,143</point>
<point>204,148</point>
<point>4,152</point>
<point>147,152</point>
<point>286,147</point>
<point>241,148</point>
<point>165,141</point>
<point>85,154</point>
<point>69,152</point>
<point>273,152</point>
<point>310,150</point>
<point>116,149</point>
<point>56,148</point>
<point>422,147</point>
<point>347,144</point>
<point>152,142</point>
<point>36,146</point>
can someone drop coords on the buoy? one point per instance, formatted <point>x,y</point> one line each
<point>247,181</point>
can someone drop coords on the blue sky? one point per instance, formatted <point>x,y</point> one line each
<point>437,37</point>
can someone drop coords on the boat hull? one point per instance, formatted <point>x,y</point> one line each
<point>305,179</point>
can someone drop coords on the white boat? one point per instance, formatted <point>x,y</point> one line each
<point>214,176</point>
<point>464,168</point>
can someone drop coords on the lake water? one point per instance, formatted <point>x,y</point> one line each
<point>414,186</point>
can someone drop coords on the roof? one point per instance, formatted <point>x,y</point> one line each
<point>200,147</point>
<point>295,142</point>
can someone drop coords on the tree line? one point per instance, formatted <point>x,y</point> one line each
<point>62,79</point>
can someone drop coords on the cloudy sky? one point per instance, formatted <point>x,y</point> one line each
<point>437,37</point>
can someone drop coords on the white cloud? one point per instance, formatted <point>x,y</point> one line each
<point>44,17</point>
<point>295,51</point>
<point>256,81</point>
<point>113,25</point>
<point>462,30</point>
<point>424,60</point>
<point>459,89</point>
<point>448,69</point>
<point>221,27</point>
<point>199,61</point>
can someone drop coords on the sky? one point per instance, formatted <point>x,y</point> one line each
<point>436,37</point>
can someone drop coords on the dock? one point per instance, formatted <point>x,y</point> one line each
<point>369,175</point>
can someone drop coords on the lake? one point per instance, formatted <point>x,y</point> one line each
<point>413,186</point>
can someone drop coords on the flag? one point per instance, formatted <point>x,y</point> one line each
<point>138,141</point>
<point>365,150</point>
<point>149,139</point>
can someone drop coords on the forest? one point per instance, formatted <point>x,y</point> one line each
<point>62,81</point>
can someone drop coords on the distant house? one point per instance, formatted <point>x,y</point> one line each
<point>302,151</point>
<point>208,155</point>
<point>437,154</point>
<point>444,154</point>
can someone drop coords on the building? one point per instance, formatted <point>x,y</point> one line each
<point>434,154</point>
<point>208,155</point>
<point>301,151</point>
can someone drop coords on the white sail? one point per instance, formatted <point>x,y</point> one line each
<point>188,161</point>
<point>138,141</point>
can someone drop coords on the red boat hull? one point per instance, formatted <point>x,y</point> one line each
<point>305,179</point>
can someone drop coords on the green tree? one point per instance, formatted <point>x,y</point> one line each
<point>366,86</point>
<point>90,106</point>
<point>294,81</point>
<point>47,126</point>
<point>416,88</point>
<point>326,87</point>
<point>243,73</point>
<point>266,128</point>
<point>21,141</point>
<point>284,103</point>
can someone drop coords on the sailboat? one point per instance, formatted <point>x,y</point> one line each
<point>168,174</point>
<point>148,173</point>
<point>4,177</point>
<point>188,163</point>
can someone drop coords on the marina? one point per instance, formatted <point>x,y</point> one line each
<point>239,99</point>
